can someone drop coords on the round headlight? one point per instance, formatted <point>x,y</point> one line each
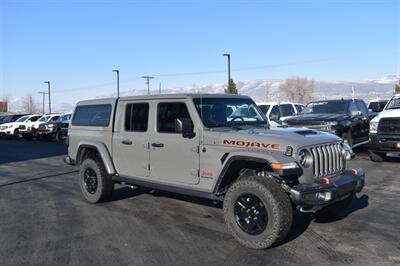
<point>347,151</point>
<point>305,158</point>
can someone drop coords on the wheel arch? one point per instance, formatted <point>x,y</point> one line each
<point>237,166</point>
<point>89,149</point>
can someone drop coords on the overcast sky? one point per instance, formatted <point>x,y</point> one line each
<point>76,45</point>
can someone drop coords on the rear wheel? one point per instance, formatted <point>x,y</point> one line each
<point>377,156</point>
<point>58,136</point>
<point>96,184</point>
<point>257,212</point>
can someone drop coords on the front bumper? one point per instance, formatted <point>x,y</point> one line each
<point>384,143</point>
<point>321,194</point>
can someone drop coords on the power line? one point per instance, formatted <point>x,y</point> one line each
<point>147,78</point>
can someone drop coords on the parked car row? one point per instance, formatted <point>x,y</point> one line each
<point>29,126</point>
<point>377,125</point>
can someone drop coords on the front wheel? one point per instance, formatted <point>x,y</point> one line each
<point>96,184</point>
<point>257,212</point>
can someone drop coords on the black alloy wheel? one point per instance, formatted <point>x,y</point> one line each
<point>90,180</point>
<point>251,214</point>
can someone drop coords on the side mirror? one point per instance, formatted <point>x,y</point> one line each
<point>355,113</point>
<point>185,127</point>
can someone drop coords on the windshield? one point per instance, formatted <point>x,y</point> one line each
<point>44,118</point>
<point>331,107</point>
<point>394,103</point>
<point>22,119</point>
<point>226,112</point>
<point>376,106</point>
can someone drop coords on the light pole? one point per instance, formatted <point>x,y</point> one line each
<point>147,78</point>
<point>43,94</point>
<point>48,87</point>
<point>117,71</point>
<point>229,68</point>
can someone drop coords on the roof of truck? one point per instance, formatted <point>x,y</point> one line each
<point>163,96</point>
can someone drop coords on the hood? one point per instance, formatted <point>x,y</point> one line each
<point>269,139</point>
<point>309,119</point>
<point>394,113</point>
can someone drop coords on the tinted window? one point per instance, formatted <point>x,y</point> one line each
<point>92,115</point>
<point>275,114</point>
<point>286,109</point>
<point>136,117</point>
<point>264,108</point>
<point>54,118</point>
<point>35,118</point>
<point>166,115</point>
<point>361,106</point>
<point>328,107</point>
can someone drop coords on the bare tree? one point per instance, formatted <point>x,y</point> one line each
<point>4,106</point>
<point>231,87</point>
<point>29,105</point>
<point>299,90</point>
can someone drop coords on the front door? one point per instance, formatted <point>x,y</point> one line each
<point>173,158</point>
<point>131,142</point>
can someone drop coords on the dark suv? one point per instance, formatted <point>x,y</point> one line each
<point>348,119</point>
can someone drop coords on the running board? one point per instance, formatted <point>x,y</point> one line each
<point>360,144</point>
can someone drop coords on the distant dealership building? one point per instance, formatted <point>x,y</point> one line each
<point>3,107</point>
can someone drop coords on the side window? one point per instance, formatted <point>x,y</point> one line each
<point>54,118</point>
<point>34,118</point>
<point>286,110</point>
<point>361,106</point>
<point>167,113</point>
<point>136,117</point>
<point>275,113</point>
<point>92,115</point>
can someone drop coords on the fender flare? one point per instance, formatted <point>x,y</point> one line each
<point>102,151</point>
<point>251,156</point>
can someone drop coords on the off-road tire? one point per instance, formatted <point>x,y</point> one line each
<point>276,202</point>
<point>105,185</point>
<point>336,209</point>
<point>377,157</point>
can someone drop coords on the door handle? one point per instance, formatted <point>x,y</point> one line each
<point>127,142</point>
<point>157,144</point>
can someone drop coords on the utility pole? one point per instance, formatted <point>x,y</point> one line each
<point>159,88</point>
<point>229,68</point>
<point>117,71</point>
<point>48,87</point>
<point>43,94</point>
<point>147,78</point>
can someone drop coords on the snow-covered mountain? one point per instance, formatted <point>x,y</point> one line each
<point>264,90</point>
<point>268,90</point>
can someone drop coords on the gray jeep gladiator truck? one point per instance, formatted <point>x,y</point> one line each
<point>212,146</point>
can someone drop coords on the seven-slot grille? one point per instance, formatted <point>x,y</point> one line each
<point>389,126</point>
<point>327,159</point>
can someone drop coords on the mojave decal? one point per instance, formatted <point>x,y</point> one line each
<point>251,144</point>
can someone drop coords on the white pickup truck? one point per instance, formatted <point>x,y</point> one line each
<point>384,131</point>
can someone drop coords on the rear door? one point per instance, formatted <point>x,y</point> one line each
<point>173,158</point>
<point>131,141</point>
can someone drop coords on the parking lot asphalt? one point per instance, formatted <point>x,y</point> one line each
<point>45,221</point>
